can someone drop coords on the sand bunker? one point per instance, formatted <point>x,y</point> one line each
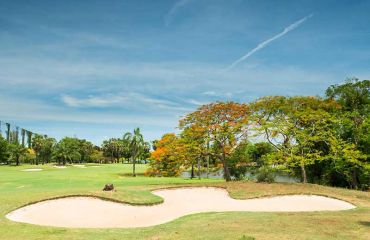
<point>87,212</point>
<point>32,170</point>
<point>79,166</point>
<point>60,167</point>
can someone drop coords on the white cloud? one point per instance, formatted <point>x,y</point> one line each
<point>93,101</point>
<point>25,110</point>
<point>146,95</point>
<point>196,102</point>
<point>98,83</point>
<point>129,100</point>
<point>210,93</point>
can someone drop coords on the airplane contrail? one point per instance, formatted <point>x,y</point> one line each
<point>268,41</point>
<point>175,8</point>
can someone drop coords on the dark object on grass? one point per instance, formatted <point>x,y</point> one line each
<point>108,187</point>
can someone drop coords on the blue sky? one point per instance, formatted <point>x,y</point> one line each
<point>96,69</point>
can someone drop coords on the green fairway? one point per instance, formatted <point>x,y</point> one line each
<point>18,188</point>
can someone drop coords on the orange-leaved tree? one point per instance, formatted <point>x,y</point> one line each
<point>166,160</point>
<point>222,125</point>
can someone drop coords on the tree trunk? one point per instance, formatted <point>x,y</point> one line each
<point>208,166</point>
<point>304,175</point>
<point>198,168</point>
<point>208,156</point>
<point>226,169</point>
<point>17,161</point>
<point>192,171</point>
<point>133,167</point>
<point>354,179</point>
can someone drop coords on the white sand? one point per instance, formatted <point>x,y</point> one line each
<point>86,212</point>
<point>60,167</point>
<point>79,165</point>
<point>32,170</point>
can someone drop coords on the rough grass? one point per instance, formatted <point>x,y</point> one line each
<point>19,188</point>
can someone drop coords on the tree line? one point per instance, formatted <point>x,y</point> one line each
<point>322,140</point>
<point>71,150</point>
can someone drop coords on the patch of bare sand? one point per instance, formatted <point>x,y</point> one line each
<point>87,212</point>
<point>60,167</point>
<point>79,165</point>
<point>32,170</point>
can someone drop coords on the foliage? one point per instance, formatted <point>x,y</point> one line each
<point>248,156</point>
<point>130,147</point>
<point>114,148</point>
<point>193,149</point>
<point>85,149</point>
<point>167,159</point>
<point>353,95</point>
<point>67,150</point>
<point>43,147</point>
<point>222,125</point>
<point>97,155</point>
<point>145,152</point>
<point>354,128</point>
<point>29,156</point>
<point>136,145</point>
<point>4,150</point>
<point>323,140</point>
<point>295,126</point>
<point>266,174</point>
<point>241,160</point>
<point>16,152</point>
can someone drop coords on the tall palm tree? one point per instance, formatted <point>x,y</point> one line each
<point>136,143</point>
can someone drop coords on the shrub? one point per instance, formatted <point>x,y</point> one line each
<point>266,174</point>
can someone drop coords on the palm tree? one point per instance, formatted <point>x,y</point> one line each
<point>136,143</point>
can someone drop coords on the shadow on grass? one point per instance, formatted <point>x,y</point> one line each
<point>364,223</point>
<point>246,238</point>
<point>130,174</point>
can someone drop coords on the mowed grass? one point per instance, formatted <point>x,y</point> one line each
<point>18,188</point>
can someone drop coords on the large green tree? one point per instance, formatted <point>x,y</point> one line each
<point>67,150</point>
<point>4,150</point>
<point>354,127</point>
<point>43,147</point>
<point>114,148</point>
<point>248,156</point>
<point>85,149</point>
<point>294,126</point>
<point>16,152</point>
<point>354,98</point>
